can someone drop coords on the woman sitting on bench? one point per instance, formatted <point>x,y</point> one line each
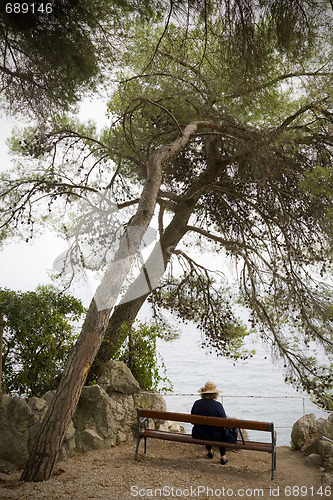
<point>209,407</point>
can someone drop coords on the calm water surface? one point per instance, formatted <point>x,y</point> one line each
<point>189,367</point>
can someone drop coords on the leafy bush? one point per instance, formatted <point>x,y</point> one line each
<point>38,333</point>
<point>139,352</point>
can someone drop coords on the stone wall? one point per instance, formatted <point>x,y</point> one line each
<point>105,415</point>
<point>314,437</point>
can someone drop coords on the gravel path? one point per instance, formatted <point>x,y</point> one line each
<point>172,470</point>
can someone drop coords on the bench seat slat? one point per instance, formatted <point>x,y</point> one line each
<point>215,421</point>
<point>187,438</point>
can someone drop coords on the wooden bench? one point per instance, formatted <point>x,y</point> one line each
<point>143,416</point>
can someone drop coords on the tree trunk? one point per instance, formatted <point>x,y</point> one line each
<point>128,309</point>
<point>63,405</point>
<point>60,412</point>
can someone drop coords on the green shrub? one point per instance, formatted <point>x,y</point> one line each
<point>38,333</point>
<point>139,352</point>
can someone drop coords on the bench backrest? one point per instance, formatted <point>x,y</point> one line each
<point>201,420</point>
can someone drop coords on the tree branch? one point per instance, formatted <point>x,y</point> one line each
<point>296,74</point>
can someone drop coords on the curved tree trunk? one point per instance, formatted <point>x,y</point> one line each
<point>60,412</point>
<point>62,407</point>
<point>55,423</point>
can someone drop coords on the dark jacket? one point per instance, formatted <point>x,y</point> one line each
<point>208,408</point>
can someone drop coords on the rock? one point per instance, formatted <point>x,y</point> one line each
<point>315,437</point>
<point>110,418</point>
<point>330,418</point>
<point>113,419</point>
<point>176,427</point>
<point>7,467</point>
<point>314,459</point>
<point>329,464</point>
<point>163,426</point>
<point>152,401</point>
<point>117,377</point>
<point>15,419</point>
<point>325,428</point>
<point>311,446</point>
<point>304,431</point>
<point>68,445</point>
<point>327,479</point>
<point>124,414</point>
<point>94,412</point>
<point>326,447</point>
<point>38,405</point>
<point>325,450</point>
<point>48,396</point>
<point>91,440</point>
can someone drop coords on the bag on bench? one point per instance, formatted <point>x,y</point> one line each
<point>231,434</point>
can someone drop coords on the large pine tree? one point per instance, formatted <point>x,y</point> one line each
<point>225,124</point>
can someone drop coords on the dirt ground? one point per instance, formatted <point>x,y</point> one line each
<point>172,470</point>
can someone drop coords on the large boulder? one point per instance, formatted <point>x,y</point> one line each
<point>102,419</point>
<point>325,450</point>
<point>20,422</point>
<point>314,437</point>
<point>93,420</point>
<point>6,467</point>
<point>314,459</point>
<point>16,418</point>
<point>152,401</point>
<point>117,377</point>
<point>325,428</point>
<point>304,431</point>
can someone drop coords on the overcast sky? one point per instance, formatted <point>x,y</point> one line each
<point>23,266</point>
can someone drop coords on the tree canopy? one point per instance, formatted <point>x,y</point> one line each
<point>221,130</point>
<point>263,138</point>
<point>54,52</point>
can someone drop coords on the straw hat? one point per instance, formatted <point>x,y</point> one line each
<point>209,387</point>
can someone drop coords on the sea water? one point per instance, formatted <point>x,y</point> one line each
<point>251,390</point>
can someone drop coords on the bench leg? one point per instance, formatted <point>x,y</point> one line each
<point>273,463</point>
<point>273,453</point>
<point>137,448</point>
<point>145,444</point>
